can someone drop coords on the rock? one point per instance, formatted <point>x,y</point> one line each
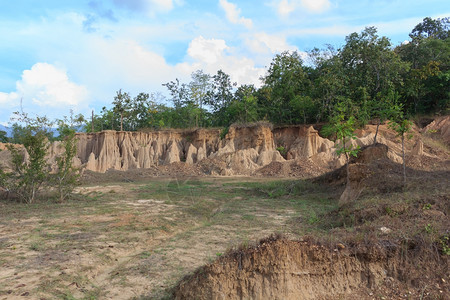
<point>191,156</point>
<point>173,153</point>
<point>418,148</point>
<point>440,125</point>
<point>385,230</point>
<point>434,213</point>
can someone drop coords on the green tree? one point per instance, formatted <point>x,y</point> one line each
<point>178,91</point>
<point>3,137</point>
<point>30,170</point>
<point>369,62</point>
<point>329,80</point>
<point>434,28</point>
<point>342,126</point>
<point>244,107</point>
<point>402,126</point>
<point>122,105</point>
<point>219,97</point>
<point>286,80</point>
<point>199,87</point>
<point>382,110</point>
<point>428,54</point>
<point>67,175</point>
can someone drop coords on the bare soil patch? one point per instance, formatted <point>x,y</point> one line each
<point>138,238</point>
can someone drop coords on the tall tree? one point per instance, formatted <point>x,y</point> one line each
<point>329,80</point>
<point>199,87</point>
<point>220,96</point>
<point>428,53</point>
<point>66,176</point>
<point>122,105</point>
<point>287,81</point>
<point>370,63</point>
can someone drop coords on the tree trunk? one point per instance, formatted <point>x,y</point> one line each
<point>92,122</point>
<point>121,122</point>
<point>376,132</point>
<point>403,156</point>
<point>347,168</point>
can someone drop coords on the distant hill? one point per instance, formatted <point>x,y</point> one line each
<point>8,130</point>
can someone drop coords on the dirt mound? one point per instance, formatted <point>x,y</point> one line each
<point>440,125</point>
<point>293,168</point>
<point>286,269</point>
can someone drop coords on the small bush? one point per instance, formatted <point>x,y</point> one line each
<point>224,132</point>
<point>282,151</point>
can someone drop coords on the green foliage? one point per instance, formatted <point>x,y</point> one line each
<point>288,84</point>
<point>3,137</point>
<point>282,151</point>
<point>122,104</point>
<point>31,171</point>
<point>224,132</point>
<point>66,176</point>
<point>29,174</point>
<point>342,127</point>
<point>402,126</point>
<point>444,243</point>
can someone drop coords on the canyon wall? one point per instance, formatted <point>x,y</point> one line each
<point>243,150</point>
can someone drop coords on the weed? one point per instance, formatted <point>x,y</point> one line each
<point>444,241</point>
<point>313,218</point>
<point>282,151</point>
<point>37,246</point>
<point>248,217</point>
<point>426,206</point>
<point>145,254</point>
<point>429,228</point>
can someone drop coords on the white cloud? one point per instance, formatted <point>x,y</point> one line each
<point>286,7</point>
<point>211,55</point>
<point>45,89</point>
<point>206,50</point>
<point>48,86</point>
<point>316,6</point>
<point>232,12</point>
<point>264,43</point>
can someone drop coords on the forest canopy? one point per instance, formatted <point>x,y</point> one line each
<point>367,75</point>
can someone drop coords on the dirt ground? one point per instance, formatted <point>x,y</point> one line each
<point>125,240</point>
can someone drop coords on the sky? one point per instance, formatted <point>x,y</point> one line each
<point>57,56</point>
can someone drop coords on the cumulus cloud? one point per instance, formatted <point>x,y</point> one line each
<point>233,14</point>
<point>45,89</point>
<point>286,7</point>
<point>211,55</point>
<point>206,50</point>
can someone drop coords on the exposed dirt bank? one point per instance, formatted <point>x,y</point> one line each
<point>285,269</point>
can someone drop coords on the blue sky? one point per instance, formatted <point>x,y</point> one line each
<point>75,54</point>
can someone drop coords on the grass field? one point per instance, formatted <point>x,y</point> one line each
<point>137,239</point>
